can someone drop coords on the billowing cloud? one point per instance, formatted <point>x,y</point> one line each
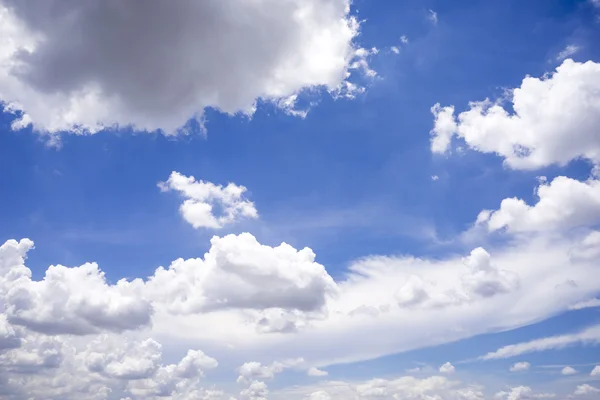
<point>207,205</point>
<point>554,121</point>
<point>563,204</point>
<point>156,66</point>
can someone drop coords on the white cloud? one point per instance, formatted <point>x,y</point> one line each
<point>435,177</point>
<point>554,121</point>
<point>433,17</point>
<point>595,371</point>
<point>163,64</point>
<point>253,371</point>
<point>585,304</point>
<point>585,389</point>
<point>312,371</point>
<point>568,371</point>
<point>404,39</point>
<point>590,335</point>
<point>523,393</point>
<point>395,50</point>
<point>520,366</point>
<point>68,300</point>
<point>447,368</point>
<point>203,199</point>
<point>256,391</point>
<point>563,204</point>
<point>567,52</point>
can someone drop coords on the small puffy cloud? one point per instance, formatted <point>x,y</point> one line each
<point>444,128</point>
<point>207,205</point>
<point>563,204</point>
<point>404,39</point>
<point>568,371</point>
<point>165,63</point>
<point>435,177</point>
<point>595,371</point>
<point>484,279</point>
<point>447,368</point>
<point>520,366</point>
<point>554,121</point>
<point>313,371</point>
<point>395,50</point>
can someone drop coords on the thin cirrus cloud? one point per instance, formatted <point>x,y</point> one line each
<point>156,66</point>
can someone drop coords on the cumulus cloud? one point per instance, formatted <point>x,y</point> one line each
<point>589,335</point>
<point>562,204</point>
<point>520,366</point>
<point>585,389</point>
<point>523,393</point>
<point>447,368</point>
<point>156,66</point>
<point>568,371</point>
<point>253,371</point>
<point>207,205</point>
<point>554,121</point>
<point>239,272</point>
<point>68,300</point>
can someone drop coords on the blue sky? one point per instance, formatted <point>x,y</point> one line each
<point>354,179</point>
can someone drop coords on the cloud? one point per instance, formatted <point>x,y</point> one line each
<point>562,204</point>
<point>253,371</point>
<point>523,393</point>
<point>520,366</point>
<point>595,371</point>
<point>554,121</point>
<point>567,52</point>
<point>68,300</point>
<point>568,371</point>
<point>585,304</point>
<point>316,372</point>
<point>585,389</point>
<point>590,335</point>
<point>433,17</point>
<point>447,368</point>
<point>404,39</point>
<point>202,198</point>
<point>155,67</point>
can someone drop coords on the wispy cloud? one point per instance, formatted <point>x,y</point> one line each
<point>567,52</point>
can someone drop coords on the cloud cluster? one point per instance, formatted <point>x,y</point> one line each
<point>155,66</point>
<point>551,120</point>
<point>203,200</point>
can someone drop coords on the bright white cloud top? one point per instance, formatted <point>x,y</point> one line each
<point>555,120</point>
<point>155,66</point>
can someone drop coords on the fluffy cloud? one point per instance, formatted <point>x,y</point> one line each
<point>404,387</point>
<point>253,371</point>
<point>447,368</point>
<point>589,335</point>
<point>555,120</point>
<point>201,199</point>
<point>563,204</point>
<point>595,371</point>
<point>523,393</point>
<point>240,273</point>
<point>155,67</point>
<point>568,371</point>
<point>520,366</point>
<point>585,389</point>
<point>68,300</point>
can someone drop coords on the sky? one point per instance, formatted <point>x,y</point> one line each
<point>300,200</point>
